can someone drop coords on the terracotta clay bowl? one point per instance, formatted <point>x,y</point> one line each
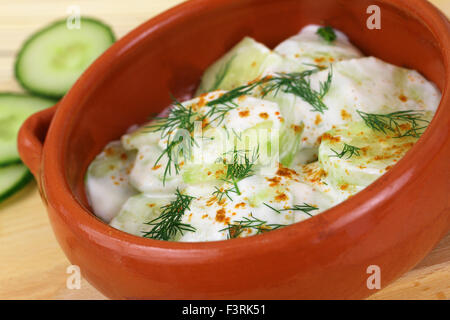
<point>392,224</point>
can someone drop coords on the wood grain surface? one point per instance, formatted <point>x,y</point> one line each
<point>32,266</point>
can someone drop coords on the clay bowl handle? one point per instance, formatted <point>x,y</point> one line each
<point>31,139</point>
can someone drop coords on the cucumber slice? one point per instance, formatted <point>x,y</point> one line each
<point>247,61</point>
<point>140,137</point>
<point>52,59</point>
<point>365,84</point>
<point>138,210</point>
<point>197,173</point>
<point>14,109</point>
<point>308,47</point>
<point>12,179</point>
<point>107,179</point>
<point>376,153</point>
<point>211,218</point>
<point>324,184</point>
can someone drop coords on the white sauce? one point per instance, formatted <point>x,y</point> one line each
<point>136,186</point>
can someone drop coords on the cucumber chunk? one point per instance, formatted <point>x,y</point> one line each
<point>52,59</point>
<point>307,47</point>
<point>250,59</point>
<point>14,110</point>
<point>355,154</point>
<point>253,125</point>
<point>107,180</point>
<point>245,62</point>
<point>324,185</point>
<point>211,216</point>
<point>138,210</point>
<point>12,179</point>
<point>365,84</point>
<point>140,137</point>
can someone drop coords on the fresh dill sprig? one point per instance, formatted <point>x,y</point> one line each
<point>180,118</point>
<point>409,123</point>
<point>218,112</point>
<point>305,208</point>
<point>221,193</point>
<point>325,86</point>
<point>296,83</point>
<point>176,148</point>
<point>236,228</point>
<point>228,97</point>
<point>168,224</point>
<point>238,168</point>
<point>348,151</point>
<point>327,33</point>
<point>220,106</point>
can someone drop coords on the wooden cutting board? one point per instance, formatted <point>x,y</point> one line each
<point>32,266</point>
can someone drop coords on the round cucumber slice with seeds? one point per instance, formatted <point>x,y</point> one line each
<point>12,179</point>
<point>14,110</point>
<point>52,59</point>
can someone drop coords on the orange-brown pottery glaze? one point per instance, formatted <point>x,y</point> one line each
<point>393,223</point>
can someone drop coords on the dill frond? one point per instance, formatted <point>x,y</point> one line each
<point>409,123</point>
<point>169,224</point>
<point>305,208</point>
<point>327,33</point>
<point>236,228</point>
<point>348,151</point>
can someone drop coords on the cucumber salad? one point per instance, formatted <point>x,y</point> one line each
<point>271,138</point>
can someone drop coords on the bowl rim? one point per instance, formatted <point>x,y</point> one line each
<point>84,223</point>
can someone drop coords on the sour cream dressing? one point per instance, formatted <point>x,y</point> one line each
<point>128,185</point>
